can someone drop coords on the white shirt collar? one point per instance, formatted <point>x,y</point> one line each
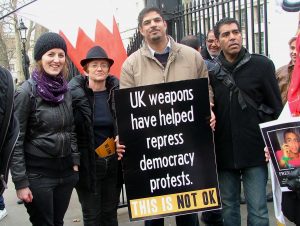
<point>166,50</point>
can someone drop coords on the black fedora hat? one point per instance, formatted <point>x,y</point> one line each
<point>96,53</point>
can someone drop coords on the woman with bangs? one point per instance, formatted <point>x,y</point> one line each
<point>45,160</point>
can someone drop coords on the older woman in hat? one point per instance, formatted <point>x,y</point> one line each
<point>96,130</point>
<point>45,160</point>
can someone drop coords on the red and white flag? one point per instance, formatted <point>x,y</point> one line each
<point>83,24</point>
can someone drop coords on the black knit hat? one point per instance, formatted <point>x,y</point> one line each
<point>46,42</point>
<point>96,53</point>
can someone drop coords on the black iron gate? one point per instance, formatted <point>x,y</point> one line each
<point>199,16</point>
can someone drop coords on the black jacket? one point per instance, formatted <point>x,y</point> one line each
<point>46,131</point>
<point>9,126</point>
<point>83,105</point>
<point>238,141</point>
<point>205,54</point>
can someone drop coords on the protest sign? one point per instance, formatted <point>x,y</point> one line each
<point>169,164</point>
<point>282,140</point>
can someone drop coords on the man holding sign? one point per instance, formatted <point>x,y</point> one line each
<point>162,60</point>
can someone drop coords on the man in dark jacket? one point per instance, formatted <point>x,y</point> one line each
<point>9,127</point>
<point>237,78</point>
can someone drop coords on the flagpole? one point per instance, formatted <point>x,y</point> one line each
<point>17,9</point>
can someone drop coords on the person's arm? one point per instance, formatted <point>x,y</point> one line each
<point>293,180</point>
<point>284,159</point>
<point>127,75</point>
<point>18,164</point>
<point>280,78</point>
<point>272,97</point>
<point>126,81</point>
<point>120,148</point>
<point>203,73</point>
<point>267,154</point>
<point>75,101</point>
<point>74,149</point>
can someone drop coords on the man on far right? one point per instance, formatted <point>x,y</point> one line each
<point>242,84</point>
<point>284,73</point>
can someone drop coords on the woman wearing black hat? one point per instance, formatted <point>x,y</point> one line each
<point>96,130</point>
<point>45,160</point>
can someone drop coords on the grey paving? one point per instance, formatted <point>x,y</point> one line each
<point>17,215</point>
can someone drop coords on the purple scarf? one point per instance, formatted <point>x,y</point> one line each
<point>50,88</point>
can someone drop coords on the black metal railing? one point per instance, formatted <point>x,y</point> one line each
<point>135,44</point>
<point>122,199</point>
<point>200,16</point>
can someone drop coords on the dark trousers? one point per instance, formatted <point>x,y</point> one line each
<point>212,218</point>
<point>51,197</point>
<point>182,220</point>
<point>100,209</point>
<point>290,206</point>
<point>2,205</point>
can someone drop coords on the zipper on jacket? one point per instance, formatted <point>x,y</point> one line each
<point>161,66</point>
<point>171,58</point>
<point>61,133</point>
<point>110,92</point>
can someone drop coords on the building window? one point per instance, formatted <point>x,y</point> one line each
<point>262,43</point>
<point>259,15</point>
<point>243,18</point>
<point>261,12</point>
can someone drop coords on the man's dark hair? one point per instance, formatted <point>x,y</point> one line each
<point>223,21</point>
<point>191,41</point>
<point>148,10</point>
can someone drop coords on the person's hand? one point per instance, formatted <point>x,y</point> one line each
<point>267,154</point>
<point>286,150</point>
<point>212,120</point>
<point>75,168</point>
<point>25,194</point>
<point>293,180</point>
<point>120,148</point>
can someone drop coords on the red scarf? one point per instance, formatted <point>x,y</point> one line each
<point>294,89</point>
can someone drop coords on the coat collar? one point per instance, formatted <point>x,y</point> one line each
<point>174,48</point>
<point>243,61</point>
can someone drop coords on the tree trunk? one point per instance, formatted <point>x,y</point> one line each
<point>3,52</point>
<point>19,62</point>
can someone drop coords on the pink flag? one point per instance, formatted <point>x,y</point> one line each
<point>294,89</point>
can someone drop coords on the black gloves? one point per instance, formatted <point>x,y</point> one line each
<point>293,180</point>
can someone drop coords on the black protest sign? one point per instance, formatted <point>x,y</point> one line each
<point>169,165</point>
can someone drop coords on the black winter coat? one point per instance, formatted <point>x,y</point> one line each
<point>83,106</point>
<point>205,54</point>
<point>46,131</point>
<point>238,140</point>
<point>9,126</point>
